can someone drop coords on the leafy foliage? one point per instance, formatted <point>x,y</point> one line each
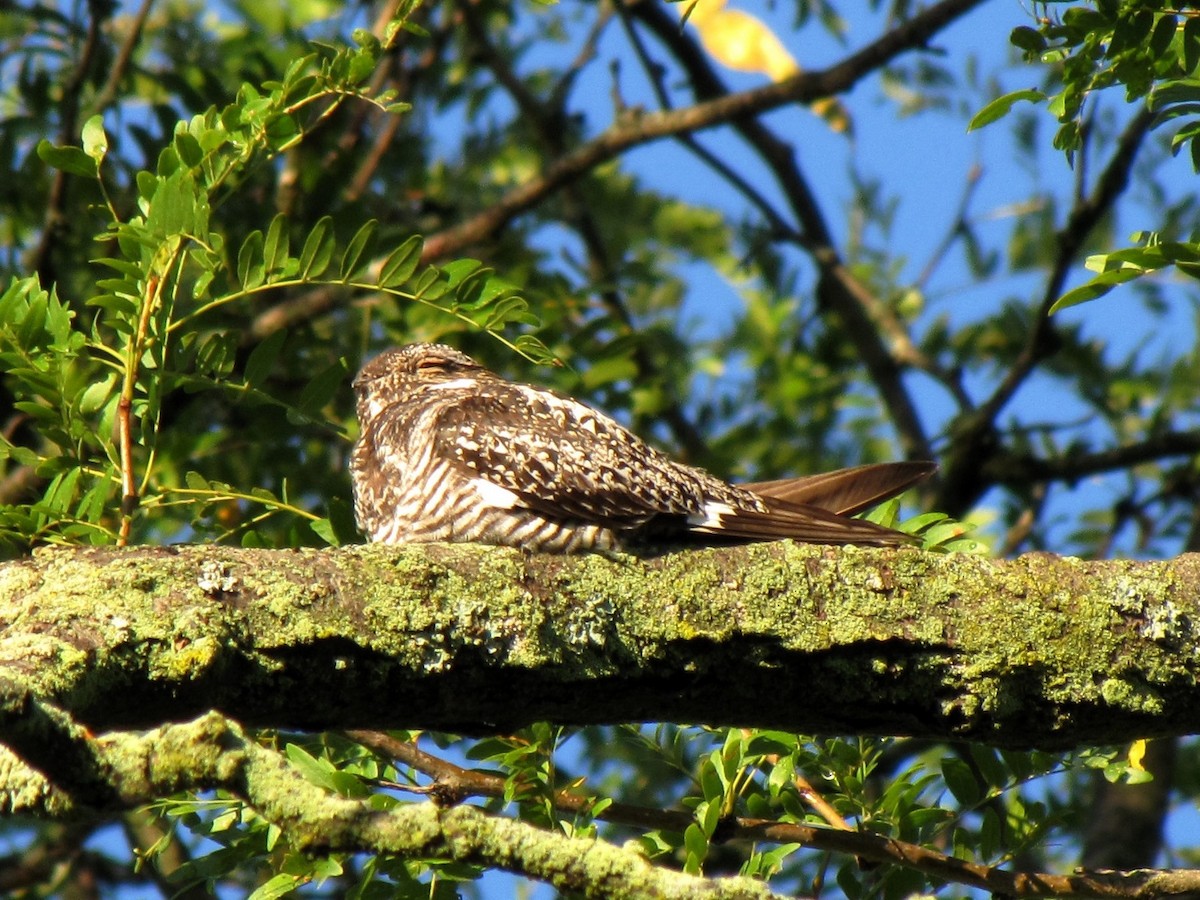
<point>1152,52</point>
<point>164,324</point>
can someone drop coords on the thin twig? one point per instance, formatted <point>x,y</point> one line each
<point>1020,530</point>
<point>129,490</point>
<point>55,218</point>
<point>120,64</point>
<point>1086,214</point>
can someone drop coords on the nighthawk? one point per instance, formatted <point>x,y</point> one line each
<point>449,451</point>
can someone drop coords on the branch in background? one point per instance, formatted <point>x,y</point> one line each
<point>548,120</point>
<point>212,752</point>
<point>40,260</point>
<point>1084,216</point>
<point>639,129</point>
<point>1020,470</point>
<point>866,320</point>
<point>22,872</point>
<point>975,435</point>
<point>656,75</point>
<point>1018,533</point>
<point>112,84</point>
<point>453,784</point>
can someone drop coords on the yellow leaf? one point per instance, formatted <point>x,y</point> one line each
<point>740,41</point>
<point>1137,751</point>
<point>744,43</point>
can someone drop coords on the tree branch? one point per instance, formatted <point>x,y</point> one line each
<point>451,781</point>
<point>639,129</point>
<point>1038,651</point>
<point>976,440</point>
<point>879,336</point>
<point>211,752</point>
<point>1024,469</point>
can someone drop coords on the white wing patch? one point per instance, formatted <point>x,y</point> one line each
<point>493,494</point>
<point>710,515</point>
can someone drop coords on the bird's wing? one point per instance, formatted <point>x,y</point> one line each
<point>559,458</point>
<point>847,491</point>
<point>562,459</point>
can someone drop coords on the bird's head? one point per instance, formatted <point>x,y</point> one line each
<point>395,374</point>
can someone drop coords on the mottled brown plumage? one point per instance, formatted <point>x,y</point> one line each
<point>449,451</point>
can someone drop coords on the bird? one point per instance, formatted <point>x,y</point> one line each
<point>449,451</point>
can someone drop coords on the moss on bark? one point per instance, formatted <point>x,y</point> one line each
<point>1039,651</point>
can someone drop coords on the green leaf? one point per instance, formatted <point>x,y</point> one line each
<point>196,482</point>
<point>275,248</point>
<point>126,267</point>
<point>96,394</point>
<point>947,531</point>
<point>318,249</point>
<point>1191,43</point>
<point>1000,107</point>
<point>782,774</point>
<point>318,392</point>
<point>1028,39</point>
<point>278,886</point>
<point>1175,91</point>
<point>177,208</point>
<point>339,528</point>
<point>250,266</point>
<point>262,358</point>
<point>188,149</point>
<point>430,285</point>
<point>401,263</point>
<point>317,771</point>
<point>1162,35</point>
<point>1097,287</point>
<point>457,271</point>
<point>961,781</point>
<point>696,844</point>
<point>358,247</point>
<point>95,141</point>
<point>1131,32</point>
<point>469,292</point>
<point>362,64</point>
<point>71,160</point>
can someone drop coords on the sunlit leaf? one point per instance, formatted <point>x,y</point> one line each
<point>1000,107</point>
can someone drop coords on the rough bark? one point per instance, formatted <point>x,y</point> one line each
<point>1039,651</point>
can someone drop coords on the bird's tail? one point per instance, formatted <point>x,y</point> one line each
<point>846,492</point>
<point>816,509</point>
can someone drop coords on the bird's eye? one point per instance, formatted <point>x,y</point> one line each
<point>431,364</point>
